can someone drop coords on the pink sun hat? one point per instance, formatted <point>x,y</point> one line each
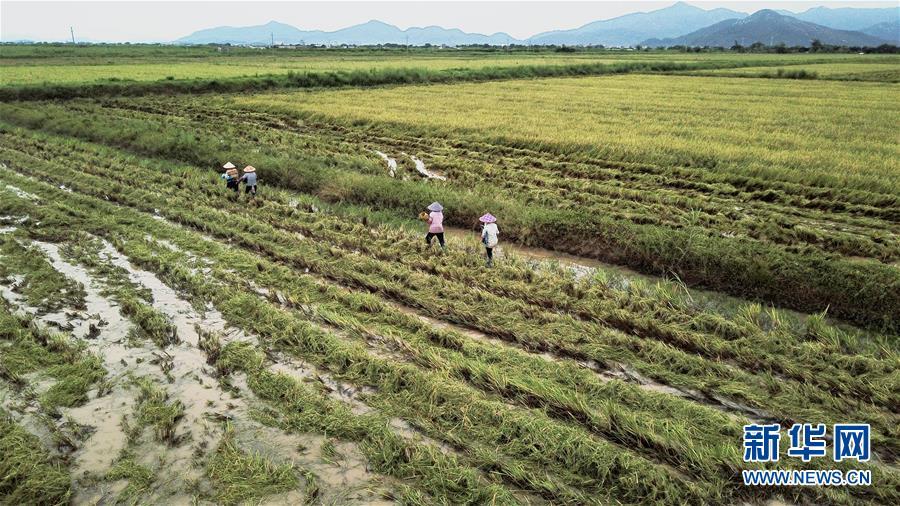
<point>487,218</point>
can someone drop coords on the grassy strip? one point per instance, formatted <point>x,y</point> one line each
<point>279,210</point>
<point>28,475</point>
<point>746,345</point>
<point>363,78</point>
<point>238,476</point>
<point>43,286</point>
<point>281,126</point>
<point>864,293</point>
<point>34,350</point>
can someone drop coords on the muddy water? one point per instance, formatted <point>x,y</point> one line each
<point>343,478</point>
<point>348,479</point>
<point>104,414</point>
<point>192,383</point>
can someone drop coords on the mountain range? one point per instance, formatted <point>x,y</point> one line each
<point>680,23</point>
<point>372,32</point>
<point>631,29</point>
<point>768,27</point>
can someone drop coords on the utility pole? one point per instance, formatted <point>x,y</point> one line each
<point>407,43</point>
<point>272,34</point>
<point>72,32</point>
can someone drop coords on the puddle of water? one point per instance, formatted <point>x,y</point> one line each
<point>192,381</point>
<point>14,298</point>
<point>101,448</point>
<point>183,315</point>
<point>100,311</point>
<point>343,480</point>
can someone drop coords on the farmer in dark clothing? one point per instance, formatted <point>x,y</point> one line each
<point>230,176</point>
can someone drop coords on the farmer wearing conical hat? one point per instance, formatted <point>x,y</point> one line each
<point>490,236</point>
<point>230,176</point>
<point>249,179</point>
<point>435,224</point>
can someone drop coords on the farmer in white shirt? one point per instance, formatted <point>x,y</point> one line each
<point>490,236</point>
<point>249,179</point>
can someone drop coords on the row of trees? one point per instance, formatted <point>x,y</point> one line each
<point>816,46</point>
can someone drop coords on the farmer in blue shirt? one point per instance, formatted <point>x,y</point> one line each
<point>230,176</point>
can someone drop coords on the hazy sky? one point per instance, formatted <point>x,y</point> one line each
<point>142,21</point>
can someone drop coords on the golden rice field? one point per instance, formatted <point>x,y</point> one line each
<point>828,132</point>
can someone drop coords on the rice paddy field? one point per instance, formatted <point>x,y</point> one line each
<point>681,255</point>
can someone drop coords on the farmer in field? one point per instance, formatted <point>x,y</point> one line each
<point>249,179</point>
<point>230,176</point>
<point>435,219</point>
<point>490,236</point>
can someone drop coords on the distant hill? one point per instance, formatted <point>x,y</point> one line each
<point>631,29</point>
<point>889,31</point>
<point>680,23</point>
<point>848,18</point>
<point>768,27</point>
<point>370,33</point>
